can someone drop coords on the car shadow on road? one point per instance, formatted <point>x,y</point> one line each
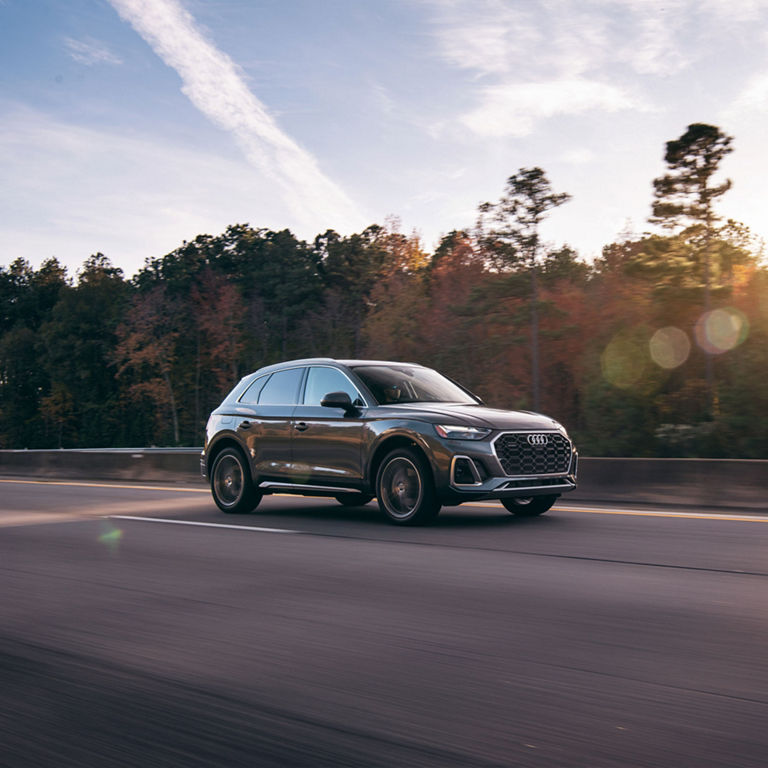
<point>369,514</point>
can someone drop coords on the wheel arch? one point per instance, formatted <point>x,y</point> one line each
<point>389,444</point>
<point>225,441</point>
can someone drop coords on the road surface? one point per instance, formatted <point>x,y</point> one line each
<point>141,627</point>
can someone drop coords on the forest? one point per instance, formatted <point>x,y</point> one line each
<point>657,348</point>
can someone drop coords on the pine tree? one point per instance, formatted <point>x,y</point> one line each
<point>684,203</point>
<point>510,229</point>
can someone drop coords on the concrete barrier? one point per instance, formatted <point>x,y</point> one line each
<point>174,465</point>
<point>735,483</point>
<point>719,483</point>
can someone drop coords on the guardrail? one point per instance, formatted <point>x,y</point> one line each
<point>721,483</point>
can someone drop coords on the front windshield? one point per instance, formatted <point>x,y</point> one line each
<point>408,384</point>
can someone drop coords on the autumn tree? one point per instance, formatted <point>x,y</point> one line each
<point>684,204</point>
<point>510,229</point>
<point>218,315</point>
<point>349,268</point>
<point>146,351</point>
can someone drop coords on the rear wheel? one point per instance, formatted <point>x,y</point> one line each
<point>405,488</point>
<point>353,499</point>
<point>231,483</point>
<point>529,506</point>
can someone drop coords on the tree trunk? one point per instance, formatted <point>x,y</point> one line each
<point>172,399</point>
<point>535,338</point>
<point>198,366</point>
<point>709,363</point>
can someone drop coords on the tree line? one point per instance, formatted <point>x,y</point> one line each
<point>659,347</point>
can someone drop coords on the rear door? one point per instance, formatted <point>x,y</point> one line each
<point>327,442</point>
<point>266,410</point>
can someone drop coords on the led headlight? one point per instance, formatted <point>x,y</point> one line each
<point>458,432</point>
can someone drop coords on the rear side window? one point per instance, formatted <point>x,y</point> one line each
<point>282,388</point>
<point>251,395</point>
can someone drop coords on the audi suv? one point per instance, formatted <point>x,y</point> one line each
<point>400,432</point>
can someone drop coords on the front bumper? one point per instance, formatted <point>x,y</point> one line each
<point>468,479</point>
<point>508,488</point>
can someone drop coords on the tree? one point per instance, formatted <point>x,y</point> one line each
<point>147,349</point>
<point>27,297</point>
<point>349,267</point>
<point>510,229</point>
<point>684,202</point>
<point>75,347</point>
<point>219,314</point>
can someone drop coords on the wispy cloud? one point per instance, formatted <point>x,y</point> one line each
<point>90,52</point>
<point>752,99</point>
<point>535,60</point>
<point>217,87</point>
<point>71,190</point>
<point>514,110</point>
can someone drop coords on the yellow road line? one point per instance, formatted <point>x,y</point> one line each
<point>480,504</point>
<point>182,489</point>
<point>645,513</point>
<point>689,515</point>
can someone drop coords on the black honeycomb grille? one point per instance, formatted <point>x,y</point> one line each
<point>519,457</point>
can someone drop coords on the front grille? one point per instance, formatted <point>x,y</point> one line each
<point>518,457</point>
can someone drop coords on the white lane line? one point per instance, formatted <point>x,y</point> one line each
<point>201,525</point>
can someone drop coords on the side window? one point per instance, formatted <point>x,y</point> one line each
<point>321,381</point>
<point>251,395</point>
<point>282,388</point>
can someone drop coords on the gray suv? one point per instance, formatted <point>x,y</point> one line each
<point>355,429</point>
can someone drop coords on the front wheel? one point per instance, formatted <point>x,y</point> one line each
<point>529,506</point>
<point>231,483</point>
<point>405,488</point>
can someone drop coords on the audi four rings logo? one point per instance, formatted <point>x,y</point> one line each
<point>537,439</point>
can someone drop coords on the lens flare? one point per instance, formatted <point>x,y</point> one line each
<point>623,361</point>
<point>669,347</point>
<point>721,330</point>
<point>110,536</point>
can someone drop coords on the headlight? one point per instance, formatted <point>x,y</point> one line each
<point>457,432</point>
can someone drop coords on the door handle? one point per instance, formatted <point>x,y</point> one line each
<point>301,426</point>
<point>244,425</point>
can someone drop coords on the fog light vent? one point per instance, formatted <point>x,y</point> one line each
<point>465,472</point>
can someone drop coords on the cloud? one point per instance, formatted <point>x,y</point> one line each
<point>217,87</point>
<point>90,52</point>
<point>484,36</point>
<point>580,156</point>
<point>535,60</point>
<point>514,110</point>
<point>70,191</point>
<point>753,98</point>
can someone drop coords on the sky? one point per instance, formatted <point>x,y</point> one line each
<point>130,126</point>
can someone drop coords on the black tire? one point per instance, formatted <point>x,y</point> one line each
<point>529,506</point>
<point>231,483</point>
<point>353,499</point>
<point>405,488</point>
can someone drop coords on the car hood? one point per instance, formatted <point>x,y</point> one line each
<point>472,415</point>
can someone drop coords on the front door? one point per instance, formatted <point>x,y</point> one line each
<point>327,442</point>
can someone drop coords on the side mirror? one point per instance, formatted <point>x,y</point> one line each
<point>338,400</point>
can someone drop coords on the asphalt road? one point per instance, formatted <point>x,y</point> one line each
<point>586,638</point>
